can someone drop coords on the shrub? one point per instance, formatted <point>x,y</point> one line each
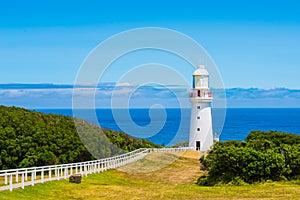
<point>274,156</point>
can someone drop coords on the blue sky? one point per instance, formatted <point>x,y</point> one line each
<point>255,44</point>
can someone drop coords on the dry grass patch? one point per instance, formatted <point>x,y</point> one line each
<point>168,168</point>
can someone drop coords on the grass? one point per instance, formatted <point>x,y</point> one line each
<point>158,176</point>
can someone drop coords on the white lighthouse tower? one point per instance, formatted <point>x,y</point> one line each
<point>201,135</point>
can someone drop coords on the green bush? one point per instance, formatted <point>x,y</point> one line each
<point>271,156</point>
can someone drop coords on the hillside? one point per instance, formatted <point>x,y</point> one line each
<point>29,138</point>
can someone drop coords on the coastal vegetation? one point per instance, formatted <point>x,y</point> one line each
<point>263,156</point>
<point>29,138</point>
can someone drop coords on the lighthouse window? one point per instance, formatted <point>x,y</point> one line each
<point>198,129</point>
<point>198,107</point>
<point>198,117</point>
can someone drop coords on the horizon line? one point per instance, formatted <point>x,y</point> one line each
<point>72,86</point>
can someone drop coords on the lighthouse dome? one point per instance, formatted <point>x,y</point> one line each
<point>200,71</point>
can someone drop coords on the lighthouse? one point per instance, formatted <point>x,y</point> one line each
<point>201,135</point>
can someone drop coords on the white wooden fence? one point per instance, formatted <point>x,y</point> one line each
<point>16,178</point>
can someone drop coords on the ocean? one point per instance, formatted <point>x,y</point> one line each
<point>172,126</point>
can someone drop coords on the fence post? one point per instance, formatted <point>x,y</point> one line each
<point>58,173</point>
<point>55,171</point>
<point>42,175</point>
<point>23,181</point>
<point>71,169</point>
<point>32,178</point>
<point>61,171</point>
<point>66,172</point>
<point>85,169</point>
<point>10,182</point>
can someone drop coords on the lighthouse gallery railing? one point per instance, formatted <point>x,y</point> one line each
<point>201,94</point>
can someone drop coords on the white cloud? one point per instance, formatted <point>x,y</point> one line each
<point>123,84</point>
<point>34,96</point>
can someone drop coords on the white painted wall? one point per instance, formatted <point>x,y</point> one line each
<point>205,134</point>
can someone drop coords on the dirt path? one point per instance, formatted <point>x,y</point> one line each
<point>171,168</point>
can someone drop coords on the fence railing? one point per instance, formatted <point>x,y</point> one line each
<point>176,149</point>
<point>16,178</point>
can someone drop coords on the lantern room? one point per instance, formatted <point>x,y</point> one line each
<point>200,78</point>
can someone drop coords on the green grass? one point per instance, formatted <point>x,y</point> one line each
<point>149,179</point>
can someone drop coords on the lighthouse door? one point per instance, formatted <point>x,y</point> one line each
<point>197,145</point>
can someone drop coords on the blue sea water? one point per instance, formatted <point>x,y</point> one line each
<point>238,122</point>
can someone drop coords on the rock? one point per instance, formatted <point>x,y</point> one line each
<point>75,178</point>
